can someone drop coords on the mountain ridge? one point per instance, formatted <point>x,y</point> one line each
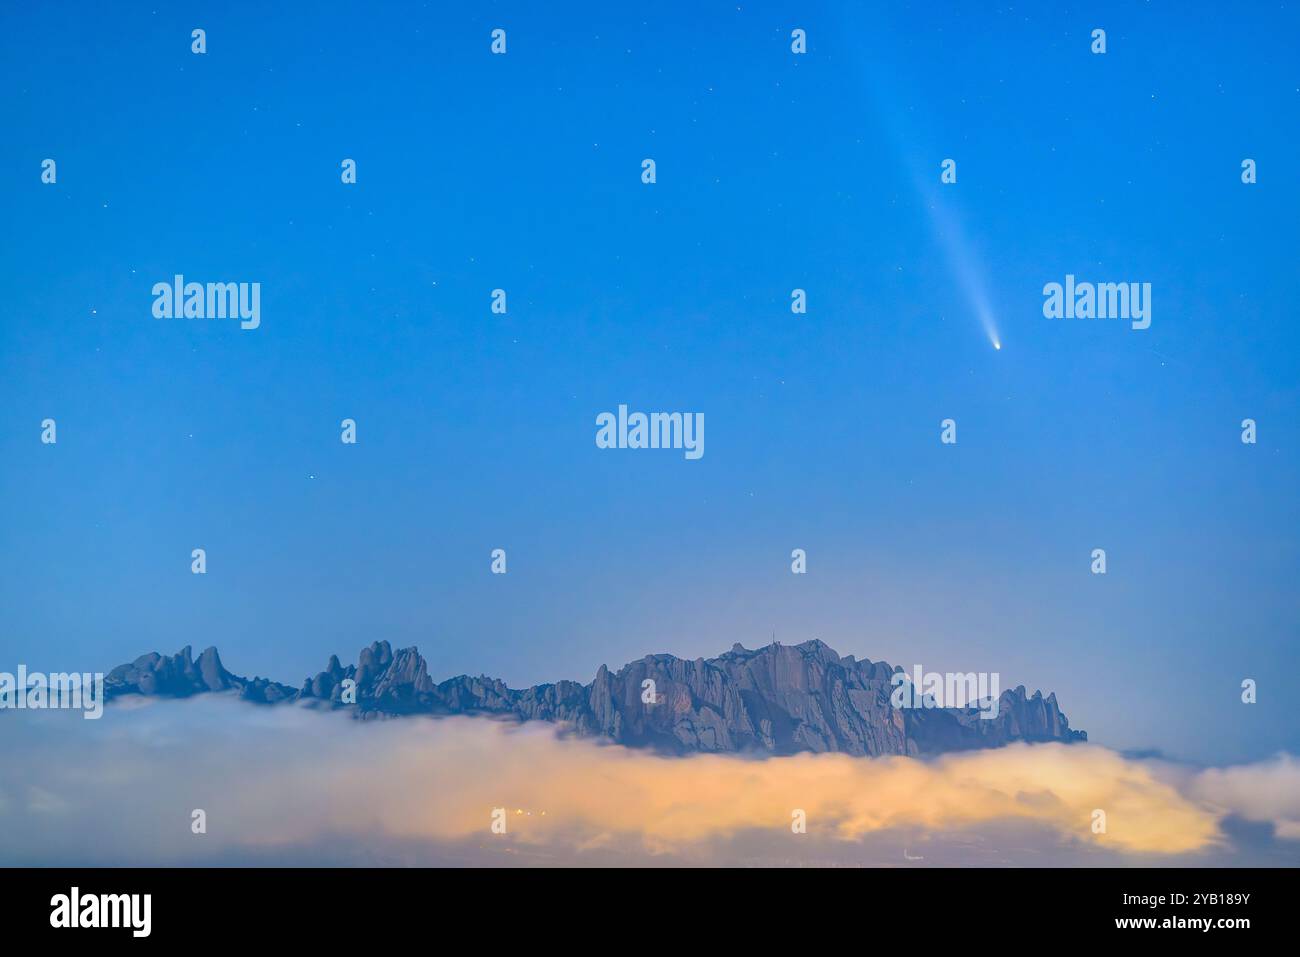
<point>778,699</point>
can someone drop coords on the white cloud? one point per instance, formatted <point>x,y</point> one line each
<point>278,782</point>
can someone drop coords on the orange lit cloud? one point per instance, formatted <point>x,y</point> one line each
<point>272,778</point>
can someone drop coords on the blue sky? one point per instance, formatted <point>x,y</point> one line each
<point>476,431</point>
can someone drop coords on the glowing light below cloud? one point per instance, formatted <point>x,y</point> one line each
<point>439,781</point>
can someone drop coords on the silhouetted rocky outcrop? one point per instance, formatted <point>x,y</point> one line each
<point>779,699</point>
<point>179,676</point>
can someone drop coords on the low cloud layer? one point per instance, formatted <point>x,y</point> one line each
<point>291,785</point>
<point>1263,793</point>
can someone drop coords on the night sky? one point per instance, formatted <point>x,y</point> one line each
<point>774,171</point>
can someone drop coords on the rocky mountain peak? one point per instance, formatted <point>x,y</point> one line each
<point>777,699</point>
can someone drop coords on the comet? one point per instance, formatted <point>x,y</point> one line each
<point>895,121</point>
<point>962,260</point>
